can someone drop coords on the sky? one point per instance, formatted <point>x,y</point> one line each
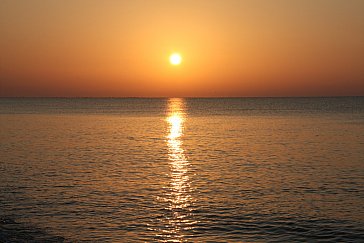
<point>88,48</point>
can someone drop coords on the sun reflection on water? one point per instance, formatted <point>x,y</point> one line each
<point>179,216</point>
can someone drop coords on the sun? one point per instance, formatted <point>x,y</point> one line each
<point>175,59</point>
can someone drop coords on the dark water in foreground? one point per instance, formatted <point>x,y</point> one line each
<point>182,170</point>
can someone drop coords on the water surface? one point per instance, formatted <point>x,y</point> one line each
<point>182,170</point>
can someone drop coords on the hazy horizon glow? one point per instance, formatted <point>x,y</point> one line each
<point>229,48</point>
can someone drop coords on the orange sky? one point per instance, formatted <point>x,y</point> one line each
<point>229,48</point>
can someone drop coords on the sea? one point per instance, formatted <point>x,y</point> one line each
<point>182,169</point>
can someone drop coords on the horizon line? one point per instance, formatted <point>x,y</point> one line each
<point>170,97</point>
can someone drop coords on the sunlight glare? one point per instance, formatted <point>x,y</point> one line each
<point>175,59</point>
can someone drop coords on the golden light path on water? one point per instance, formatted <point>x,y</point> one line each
<point>179,198</point>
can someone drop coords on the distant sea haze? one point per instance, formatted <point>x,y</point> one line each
<point>182,170</point>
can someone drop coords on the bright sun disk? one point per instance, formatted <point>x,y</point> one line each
<point>175,59</point>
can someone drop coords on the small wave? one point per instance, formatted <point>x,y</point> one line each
<point>12,231</point>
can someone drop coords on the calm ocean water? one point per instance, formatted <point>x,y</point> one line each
<point>182,170</point>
